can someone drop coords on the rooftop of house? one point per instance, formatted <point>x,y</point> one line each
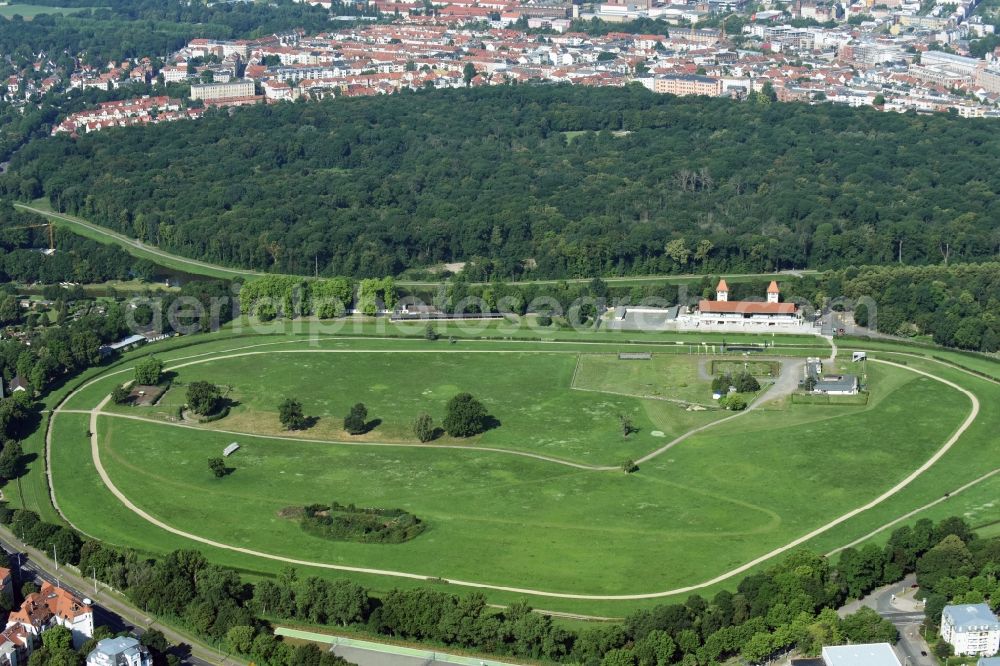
<point>871,654</point>
<point>836,383</point>
<point>112,647</point>
<point>971,617</point>
<point>746,307</point>
<point>39,607</point>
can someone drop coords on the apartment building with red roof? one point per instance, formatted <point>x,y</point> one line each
<point>52,606</point>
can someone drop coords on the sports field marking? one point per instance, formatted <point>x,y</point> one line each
<point>969,420</point>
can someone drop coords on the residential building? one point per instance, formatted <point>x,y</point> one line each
<point>6,579</point>
<point>971,629</point>
<point>684,84</point>
<point>53,606</point>
<point>121,651</point>
<point>871,654</point>
<point>174,73</point>
<point>219,91</point>
<point>15,646</point>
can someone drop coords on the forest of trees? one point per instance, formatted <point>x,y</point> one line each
<point>123,29</point>
<point>789,604</point>
<point>370,187</point>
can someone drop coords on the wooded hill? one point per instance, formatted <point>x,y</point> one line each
<point>543,181</point>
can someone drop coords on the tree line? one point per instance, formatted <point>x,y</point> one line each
<point>370,187</point>
<point>117,29</point>
<point>789,604</point>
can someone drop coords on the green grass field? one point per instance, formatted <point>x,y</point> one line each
<point>664,376</point>
<point>28,12</point>
<point>717,500</point>
<point>755,368</point>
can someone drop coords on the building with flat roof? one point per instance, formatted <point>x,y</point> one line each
<point>684,84</point>
<point>121,651</point>
<point>971,629</point>
<point>870,654</point>
<point>216,91</point>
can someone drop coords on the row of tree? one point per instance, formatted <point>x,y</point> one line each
<point>288,296</point>
<point>368,187</point>
<point>789,604</point>
<point>119,30</point>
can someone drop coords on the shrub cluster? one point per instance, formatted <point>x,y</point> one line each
<point>365,525</point>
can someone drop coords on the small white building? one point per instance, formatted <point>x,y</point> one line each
<point>871,654</point>
<point>122,651</point>
<point>971,629</point>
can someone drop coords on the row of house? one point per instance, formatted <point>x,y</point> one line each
<point>124,113</point>
<point>51,606</point>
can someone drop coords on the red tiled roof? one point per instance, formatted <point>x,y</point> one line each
<point>746,307</point>
<point>773,288</point>
<point>722,286</point>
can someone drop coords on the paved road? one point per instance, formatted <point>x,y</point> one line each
<point>897,604</point>
<point>109,608</point>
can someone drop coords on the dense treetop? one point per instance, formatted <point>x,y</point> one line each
<point>135,28</point>
<point>526,180</point>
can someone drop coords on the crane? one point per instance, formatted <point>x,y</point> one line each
<point>52,239</point>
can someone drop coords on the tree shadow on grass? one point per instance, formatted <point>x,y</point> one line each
<point>490,423</point>
<point>371,425</point>
<point>23,463</point>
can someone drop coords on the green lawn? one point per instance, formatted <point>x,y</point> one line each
<point>664,376</point>
<point>31,11</point>
<point>528,393</point>
<point>728,494</point>
<point>755,368</point>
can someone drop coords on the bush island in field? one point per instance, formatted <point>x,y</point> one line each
<point>365,525</point>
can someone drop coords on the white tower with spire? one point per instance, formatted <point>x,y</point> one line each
<point>722,291</point>
<point>773,292</point>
